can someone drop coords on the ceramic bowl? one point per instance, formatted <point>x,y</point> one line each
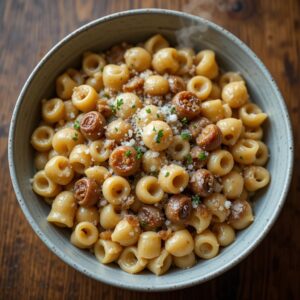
<point>134,26</point>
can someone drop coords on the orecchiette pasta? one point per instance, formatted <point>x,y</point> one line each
<point>150,153</point>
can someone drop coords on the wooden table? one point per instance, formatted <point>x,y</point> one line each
<point>28,270</point>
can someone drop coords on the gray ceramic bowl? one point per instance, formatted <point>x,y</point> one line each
<point>134,26</point>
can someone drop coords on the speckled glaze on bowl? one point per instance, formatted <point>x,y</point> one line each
<point>134,26</point>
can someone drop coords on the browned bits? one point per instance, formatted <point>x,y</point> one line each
<point>165,234</point>
<point>123,160</point>
<point>103,108</point>
<point>210,138</point>
<point>105,235</point>
<point>135,84</point>
<point>199,157</point>
<point>92,125</point>
<point>202,182</point>
<point>178,208</point>
<point>86,191</point>
<point>150,217</point>
<point>198,125</point>
<point>187,104</point>
<point>116,54</point>
<point>176,84</point>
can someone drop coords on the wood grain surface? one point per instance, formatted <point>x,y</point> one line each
<point>28,29</point>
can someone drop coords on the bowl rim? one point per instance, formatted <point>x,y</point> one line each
<point>112,281</point>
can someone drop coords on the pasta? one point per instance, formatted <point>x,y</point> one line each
<point>150,153</point>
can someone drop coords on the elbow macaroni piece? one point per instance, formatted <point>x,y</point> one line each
<point>245,151</point>
<point>92,63</point>
<point>40,160</point>
<point>138,59</point>
<point>200,218</point>
<point>160,264</point>
<point>100,150</point>
<point>233,185</point>
<point>179,149</point>
<point>156,43</point>
<point>109,218</point>
<point>216,204</point>
<point>231,129</point>
<point>87,214</point>
<point>148,190</point>
<point>149,245</point>
<point>44,186</point>
<point>225,234</point>
<point>166,60</point>
<point>235,94</point>
<point>256,177</point>
<point>220,162</point>
<point>118,130</point>
<point>107,251</point>
<point>42,137</point>
<point>156,85</point>
<point>213,110</point>
<point>126,104</point>
<point>251,115</point>
<point>181,243</point>
<point>53,110</point>
<point>241,214</point>
<point>185,262</point>
<point>201,86</point>
<point>84,235</point>
<point>80,158</point>
<point>63,210</point>
<point>153,161</point>
<point>206,64</point>
<point>206,245</point>
<point>98,173</point>
<point>84,98</point>
<point>173,179</point>
<point>64,86</point>
<point>114,76</point>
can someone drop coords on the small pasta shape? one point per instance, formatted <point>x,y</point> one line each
<point>80,158</point>
<point>115,189</point>
<point>115,76</point>
<point>130,262</point>
<point>229,77</point>
<point>156,85</point>
<point>206,64</point>
<point>53,110</point>
<point>64,86</point>
<point>225,234</point>
<point>118,130</point>
<point>96,81</point>
<point>138,59</point>
<point>233,185</point>
<point>235,94</point>
<point>87,214</point>
<point>254,133</point>
<point>218,205</point>
<point>75,75</point>
<point>206,245</point>
<point>149,245</point>
<point>256,177</point>
<point>156,43</point>
<point>157,135</point>
<point>185,59</point>
<point>160,264</point>
<point>166,60</point>
<point>153,161</point>
<point>262,154</point>
<point>100,150</point>
<point>63,210</point>
<point>215,92</point>
<point>245,151</point>
<point>200,218</point>
<point>147,114</point>
<point>126,233</point>
<point>109,218</point>
<point>126,104</point>
<point>173,179</point>
<point>241,214</point>
<point>251,115</point>
<point>44,186</point>
<point>42,137</point>
<point>185,262</point>
<point>201,86</point>
<point>65,140</point>
<point>179,149</point>
<point>84,98</point>
<point>40,160</point>
<point>84,235</point>
<point>231,130</point>
<point>220,162</point>
<point>148,190</point>
<point>213,110</point>
<point>181,243</point>
<point>70,111</point>
<point>98,173</point>
<point>59,170</point>
<point>107,251</point>
<point>92,63</point>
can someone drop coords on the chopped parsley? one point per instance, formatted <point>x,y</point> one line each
<point>167,174</point>
<point>133,106</point>
<point>159,136</point>
<point>196,200</point>
<point>116,129</point>
<point>106,96</point>
<point>154,129</point>
<point>189,159</point>
<point>202,155</point>
<point>158,116</point>
<point>113,108</point>
<point>128,153</point>
<point>148,110</point>
<point>143,223</point>
<point>139,153</point>
<point>76,125</point>
<point>173,110</point>
<point>184,121</point>
<point>75,137</point>
<point>185,136</point>
<point>119,103</point>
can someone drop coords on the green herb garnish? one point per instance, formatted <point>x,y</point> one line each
<point>189,159</point>
<point>185,136</point>
<point>143,223</point>
<point>128,153</point>
<point>139,153</point>
<point>119,103</point>
<point>113,108</point>
<point>158,115</point>
<point>202,155</point>
<point>173,110</point>
<point>133,106</point>
<point>76,125</point>
<point>148,110</point>
<point>196,200</point>
<point>154,129</point>
<point>159,136</point>
<point>167,174</point>
<point>116,129</point>
<point>184,121</point>
<point>75,137</point>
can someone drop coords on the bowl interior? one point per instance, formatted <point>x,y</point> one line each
<point>134,27</point>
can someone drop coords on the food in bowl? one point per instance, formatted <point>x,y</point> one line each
<point>150,154</point>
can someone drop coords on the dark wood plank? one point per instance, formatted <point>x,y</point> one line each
<point>28,270</point>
